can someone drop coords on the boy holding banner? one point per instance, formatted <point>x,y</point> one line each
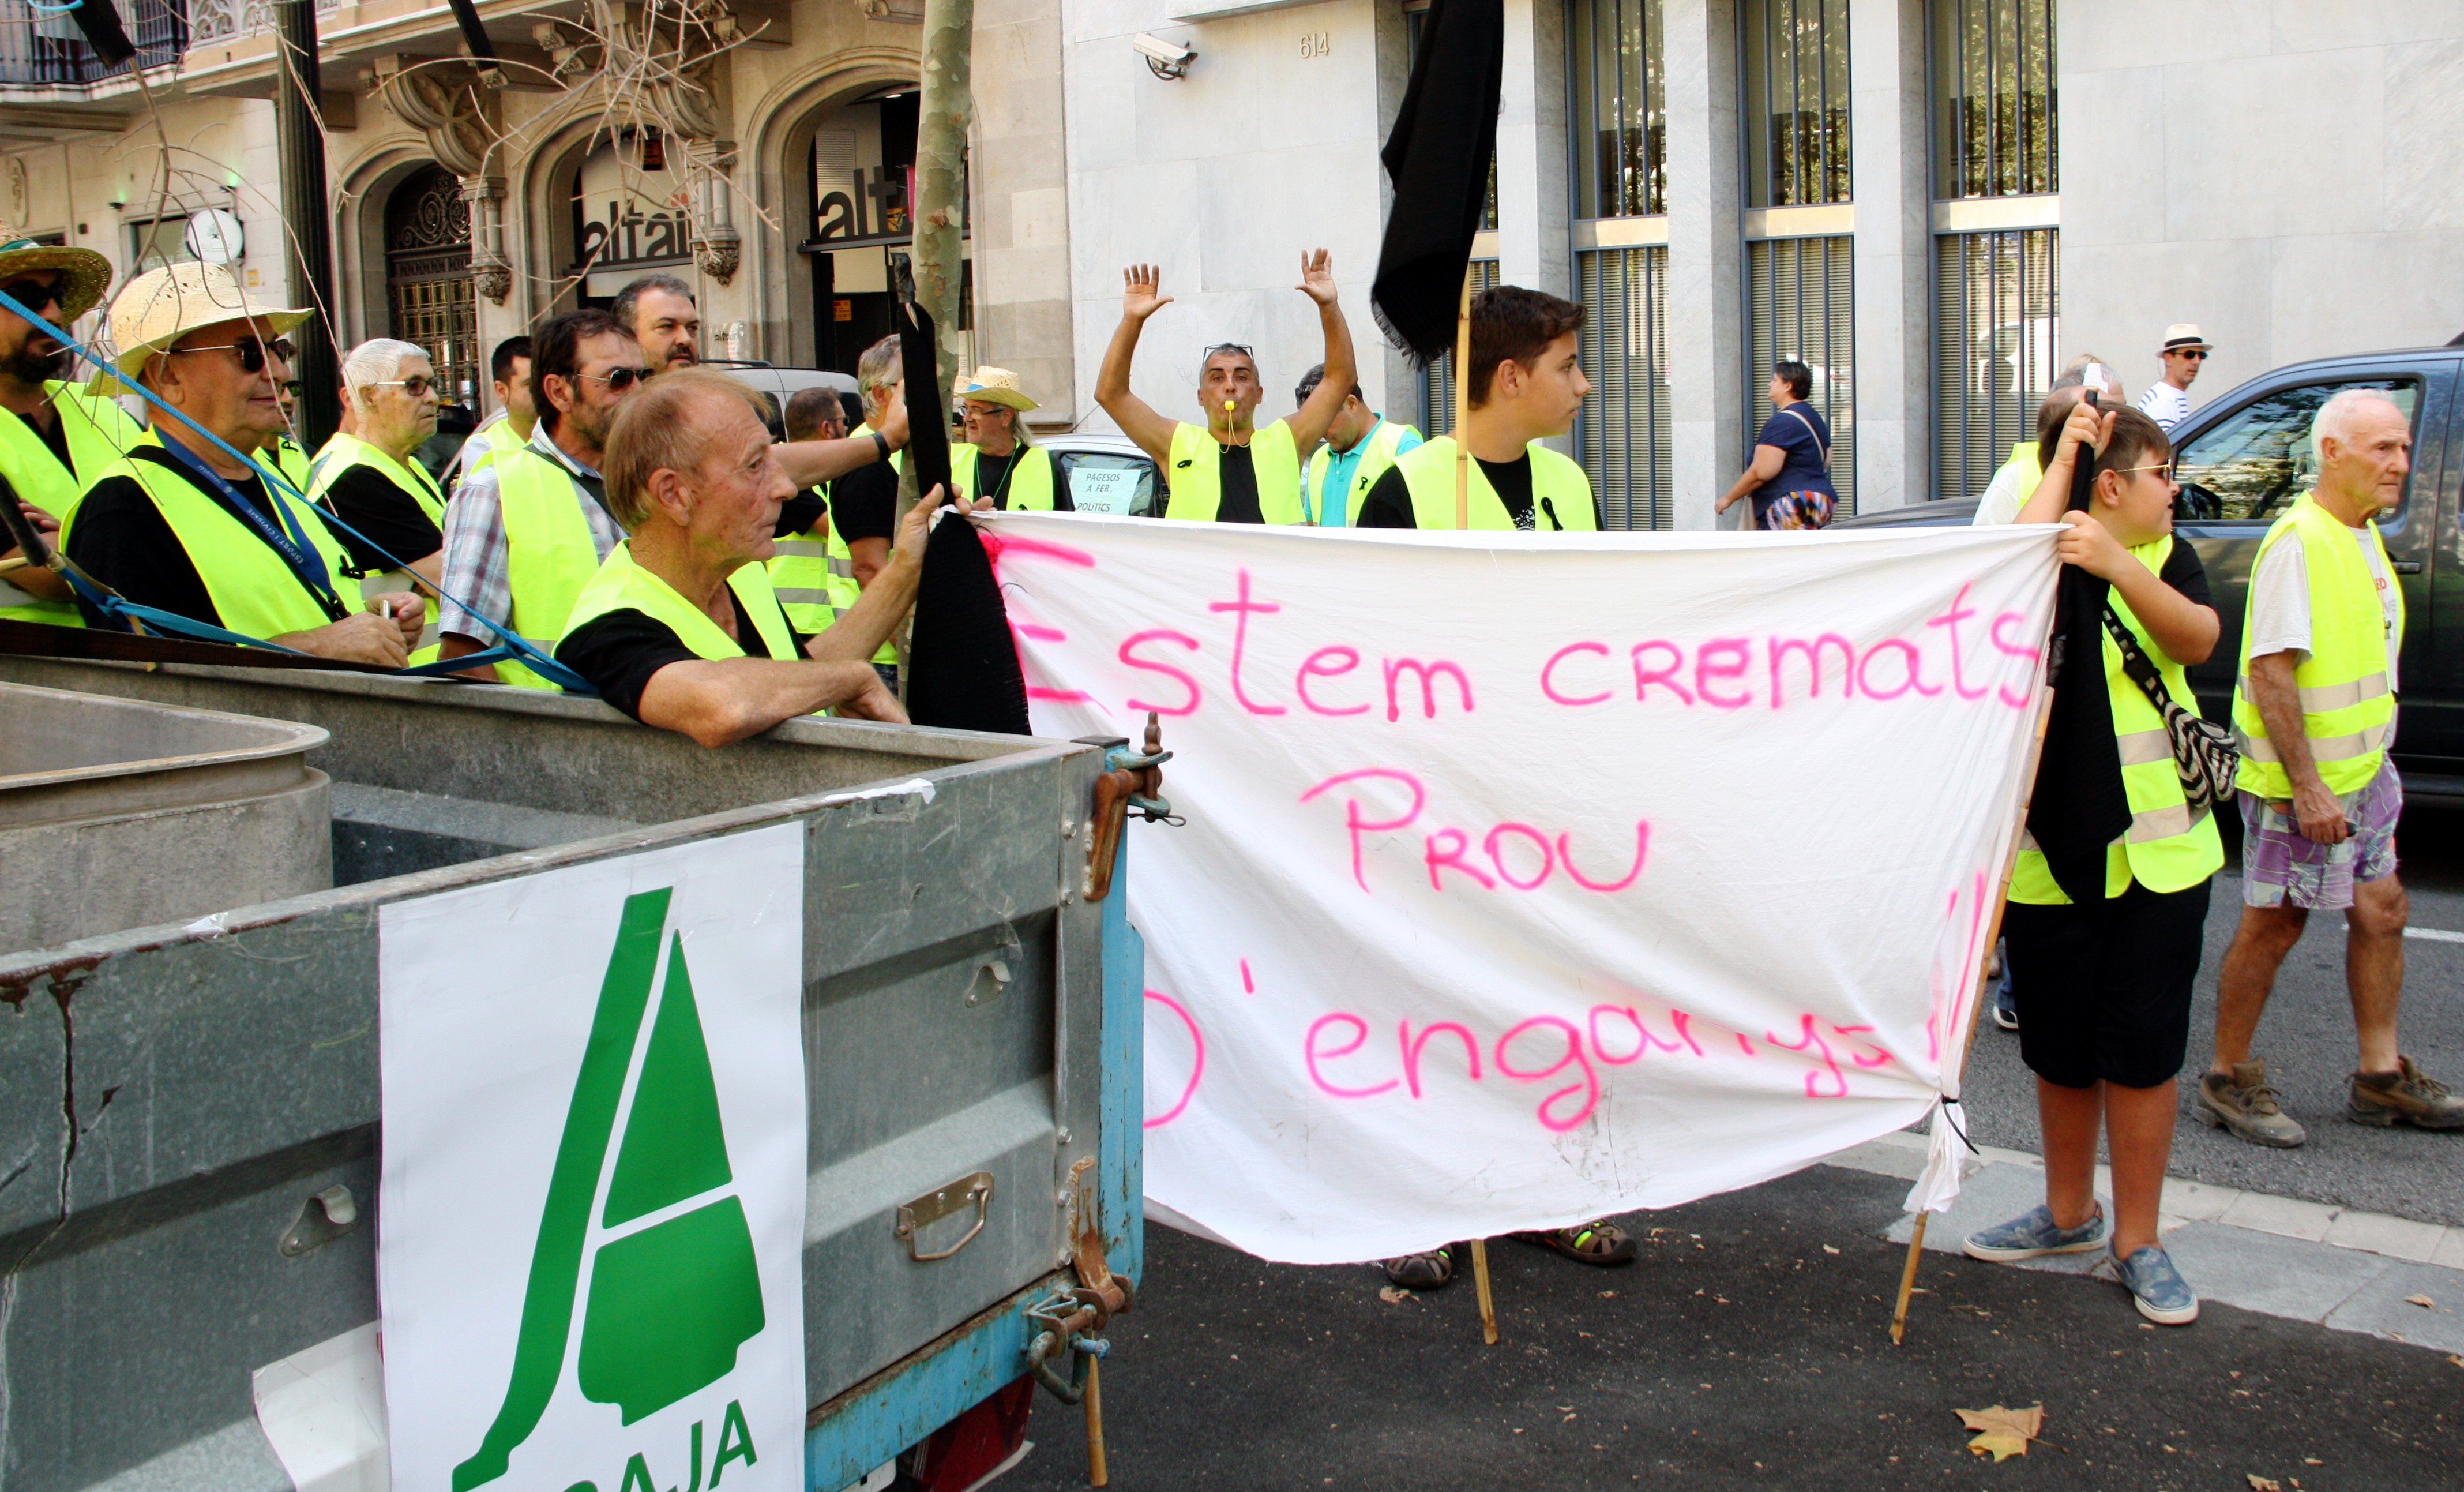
<point>2103,981</point>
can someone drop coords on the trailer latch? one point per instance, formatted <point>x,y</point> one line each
<point>1132,780</point>
<point>1069,1320</point>
<point>323,1219</point>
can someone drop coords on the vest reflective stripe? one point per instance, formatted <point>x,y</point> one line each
<point>100,432</point>
<point>2169,846</point>
<point>1194,470</point>
<point>253,592</point>
<point>623,586</point>
<point>1558,486</point>
<point>340,454</point>
<point>2348,710</point>
<point>1382,442</point>
<point>814,571</point>
<point>549,552</point>
<point>1028,486</point>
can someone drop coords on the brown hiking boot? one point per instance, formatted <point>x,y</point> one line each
<point>2404,1096</point>
<point>2245,1105</point>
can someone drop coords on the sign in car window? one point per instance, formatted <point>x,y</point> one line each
<point>1104,489</point>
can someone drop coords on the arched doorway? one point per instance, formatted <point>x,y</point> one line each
<point>429,291</point>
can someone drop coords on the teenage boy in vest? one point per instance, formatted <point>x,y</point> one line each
<point>1526,386</point>
<point>182,525</point>
<point>2314,709</point>
<point>680,628</point>
<point>2103,961</point>
<point>1227,471</point>
<point>55,438</point>
<point>392,512</point>
<point>1360,445</point>
<point>529,529</point>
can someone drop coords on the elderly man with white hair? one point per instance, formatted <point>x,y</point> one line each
<point>2015,481</point>
<point>392,512</point>
<point>680,628</point>
<point>2314,709</point>
<point>192,525</point>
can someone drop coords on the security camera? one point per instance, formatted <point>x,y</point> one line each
<point>1166,59</point>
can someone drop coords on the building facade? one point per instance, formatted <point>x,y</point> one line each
<point>1934,203</point>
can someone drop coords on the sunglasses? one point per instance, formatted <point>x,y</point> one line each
<point>1229,347</point>
<point>251,353</point>
<point>292,387</point>
<point>2194,354</point>
<point>618,379</point>
<point>2165,470</point>
<point>416,385</point>
<point>34,294</point>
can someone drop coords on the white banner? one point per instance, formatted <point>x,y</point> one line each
<point>593,1195</point>
<point>1529,879</point>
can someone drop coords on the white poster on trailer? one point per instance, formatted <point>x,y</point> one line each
<point>1532,878</point>
<point>590,1247</point>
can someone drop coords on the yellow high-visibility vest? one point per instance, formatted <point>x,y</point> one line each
<point>2169,846</point>
<point>814,573</point>
<point>1194,468</point>
<point>99,433</point>
<point>1026,486</point>
<point>2347,707</point>
<point>1561,493</point>
<point>340,454</point>
<point>1383,442</point>
<point>620,585</point>
<point>549,552</point>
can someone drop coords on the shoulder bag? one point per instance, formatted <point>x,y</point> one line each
<point>2204,755</point>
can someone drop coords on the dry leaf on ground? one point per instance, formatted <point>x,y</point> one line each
<point>1393,1295</point>
<point>2002,1433</point>
<point>2422,1300</point>
<point>2259,1484</point>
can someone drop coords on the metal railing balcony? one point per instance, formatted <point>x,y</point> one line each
<point>41,46</point>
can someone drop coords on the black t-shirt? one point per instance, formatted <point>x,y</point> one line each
<point>1239,475</point>
<point>1389,503</point>
<point>398,530</point>
<point>803,512</point>
<point>122,539</point>
<point>2183,573</point>
<point>618,652</point>
<point>992,476</point>
<point>54,435</point>
<point>863,504</point>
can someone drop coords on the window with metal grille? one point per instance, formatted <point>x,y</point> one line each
<point>1617,53</point>
<point>1800,304</point>
<point>1996,349</point>
<point>427,279</point>
<point>1437,379</point>
<point>1993,98</point>
<point>1793,54</point>
<point>1622,437</point>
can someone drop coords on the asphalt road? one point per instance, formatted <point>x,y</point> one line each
<point>2307,1039</point>
<point>1747,1348</point>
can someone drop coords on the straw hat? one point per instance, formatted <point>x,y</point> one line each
<point>160,306</point>
<point>995,386</point>
<point>2182,336</point>
<point>84,271</point>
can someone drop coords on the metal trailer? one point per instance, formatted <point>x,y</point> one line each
<point>178,1104</point>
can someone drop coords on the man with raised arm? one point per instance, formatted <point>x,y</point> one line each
<point>1227,470</point>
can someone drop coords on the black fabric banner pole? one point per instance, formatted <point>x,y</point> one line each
<point>1439,156</point>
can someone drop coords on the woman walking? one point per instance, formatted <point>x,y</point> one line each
<point>2103,981</point>
<point>1789,474</point>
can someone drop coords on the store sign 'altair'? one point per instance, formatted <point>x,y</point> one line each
<point>628,235</point>
<point>874,207</point>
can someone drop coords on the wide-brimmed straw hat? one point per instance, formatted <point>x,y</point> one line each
<point>83,275</point>
<point>160,306</point>
<point>2182,336</point>
<point>994,386</point>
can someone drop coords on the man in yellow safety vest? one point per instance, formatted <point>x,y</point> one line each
<point>392,512</point>
<point>54,437</point>
<point>2315,711</point>
<point>1360,445</point>
<point>997,460</point>
<point>1526,386</point>
<point>1227,470</point>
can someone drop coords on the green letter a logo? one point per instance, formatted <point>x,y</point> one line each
<point>674,1289</point>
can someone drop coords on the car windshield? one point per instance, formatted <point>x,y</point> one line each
<point>2252,463</point>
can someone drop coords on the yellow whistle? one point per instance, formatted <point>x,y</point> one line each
<point>1229,406</point>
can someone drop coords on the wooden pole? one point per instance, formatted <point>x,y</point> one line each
<point>1463,520</point>
<point>1993,935</point>
<point>1096,1474</point>
<point>1479,1282</point>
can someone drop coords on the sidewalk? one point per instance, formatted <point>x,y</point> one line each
<point>1749,1348</point>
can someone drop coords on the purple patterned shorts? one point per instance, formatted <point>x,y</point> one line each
<point>2281,867</point>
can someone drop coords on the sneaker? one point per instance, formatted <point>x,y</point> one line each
<point>2033,1235</point>
<point>2244,1104</point>
<point>2006,1009</point>
<point>2404,1096</point>
<point>2157,1288</point>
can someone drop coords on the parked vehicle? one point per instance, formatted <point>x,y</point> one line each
<point>2244,457</point>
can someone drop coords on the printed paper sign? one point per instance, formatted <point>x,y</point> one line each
<point>1104,489</point>
<point>1529,878</point>
<point>590,1256</point>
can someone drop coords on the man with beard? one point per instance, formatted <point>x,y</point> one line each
<point>55,438</point>
<point>659,311</point>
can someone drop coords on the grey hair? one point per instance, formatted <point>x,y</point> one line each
<point>878,369</point>
<point>629,298</point>
<point>2334,417</point>
<point>375,361</point>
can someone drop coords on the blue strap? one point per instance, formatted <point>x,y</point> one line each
<point>290,540</point>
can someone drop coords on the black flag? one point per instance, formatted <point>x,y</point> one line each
<point>1438,158</point>
<point>2079,805</point>
<point>100,23</point>
<point>928,403</point>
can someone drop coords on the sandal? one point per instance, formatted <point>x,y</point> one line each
<point>1430,1271</point>
<point>1603,1245</point>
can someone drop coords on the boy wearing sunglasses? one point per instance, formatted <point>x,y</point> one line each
<point>2167,400</point>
